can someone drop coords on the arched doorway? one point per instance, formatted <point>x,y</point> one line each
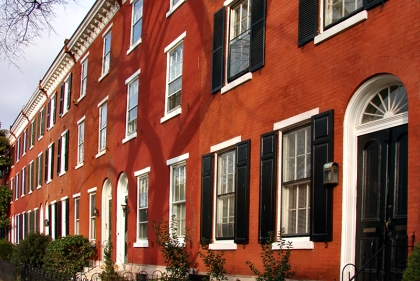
<point>375,174</point>
<point>106,213</point>
<point>122,227</point>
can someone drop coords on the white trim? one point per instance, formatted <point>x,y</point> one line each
<point>130,137</point>
<point>174,8</point>
<point>223,245</point>
<point>235,83</point>
<point>100,153</point>
<point>295,120</point>
<point>175,42</point>
<point>65,132</point>
<point>225,144</point>
<point>229,2</point>
<point>132,77</point>
<point>81,120</point>
<point>334,30</point>
<point>91,190</point>
<point>142,172</point>
<point>53,202</point>
<point>177,111</point>
<point>84,57</point>
<point>105,33</point>
<point>141,244</point>
<point>64,198</point>
<point>78,166</point>
<point>76,195</point>
<point>103,76</point>
<point>177,159</point>
<point>132,47</point>
<point>103,101</point>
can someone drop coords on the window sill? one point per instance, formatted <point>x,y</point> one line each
<point>30,192</point>
<point>49,129</point>
<point>235,83</point>
<point>38,187</point>
<point>223,245</point>
<point>100,153</point>
<point>103,76</point>
<point>133,46</point>
<point>171,115</point>
<point>40,138</point>
<point>78,166</point>
<point>48,181</point>
<point>62,174</point>
<point>23,195</point>
<point>81,97</point>
<point>24,154</point>
<point>32,146</point>
<point>298,243</point>
<point>64,113</point>
<point>130,137</point>
<point>141,244</point>
<point>359,17</point>
<point>174,8</point>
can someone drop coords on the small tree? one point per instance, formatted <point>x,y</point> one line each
<point>175,252</point>
<point>215,263</point>
<point>5,198</point>
<point>6,250</point>
<point>109,271</point>
<point>31,250</point>
<point>276,266</point>
<point>412,272</point>
<point>67,255</point>
<point>4,153</point>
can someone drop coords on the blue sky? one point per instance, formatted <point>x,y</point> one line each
<point>18,85</point>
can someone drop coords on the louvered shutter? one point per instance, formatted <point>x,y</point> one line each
<point>257,34</point>
<point>54,110</point>
<point>67,222</point>
<point>267,186</point>
<point>61,107</point>
<point>369,4</point>
<point>58,219</point>
<point>38,124</point>
<point>206,199</point>
<point>218,42</point>
<point>50,221</point>
<point>242,192</point>
<point>32,178</point>
<point>322,195</point>
<point>69,81</point>
<point>66,152</point>
<point>52,161</point>
<point>48,114</point>
<point>40,167</point>
<point>46,166</point>
<point>59,145</point>
<point>308,21</point>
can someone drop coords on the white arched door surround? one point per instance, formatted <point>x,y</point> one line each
<point>355,125</point>
<point>106,212</point>
<point>122,193</point>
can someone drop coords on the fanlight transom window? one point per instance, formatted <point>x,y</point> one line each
<point>386,103</point>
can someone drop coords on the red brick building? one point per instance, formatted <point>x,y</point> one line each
<point>224,114</point>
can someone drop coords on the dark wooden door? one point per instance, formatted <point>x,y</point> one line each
<point>381,238</point>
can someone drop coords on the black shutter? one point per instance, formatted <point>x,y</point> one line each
<point>46,166</point>
<point>25,187</point>
<point>67,217</point>
<point>48,114</point>
<point>257,34</point>
<point>38,122</point>
<point>40,167</point>
<point>32,178</point>
<point>369,4</point>
<point>66,152</point>
<point>61,109</point>
<point>49,220</point>
<point>267,186</point>
<point>308,21</point>
<point>59,155</point>
<point>58,218</point>
<point>52,161</point>
<point>54,111</point>
<point>218,41</point>
<point>206,199</point>
<point>242,192</point>
<point>43,121</point>
<point>322,195</point>
<point>69,91</point>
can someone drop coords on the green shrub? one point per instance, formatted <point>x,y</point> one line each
<point>67,255</point>
<point>109,271</point>
<point>175,252</point>
<point>276,266</point>
<point>31,250</point>
<point>412,272</point>
<point>215,263</point>
<point>6,250</point>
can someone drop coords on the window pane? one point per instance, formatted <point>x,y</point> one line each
<point>337,9</point>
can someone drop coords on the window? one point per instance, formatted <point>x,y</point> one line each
<point>63,215</point>
<point>39,171</point>
<point>76,215</point>
<point>65,95</point>
<point>142,205</point>
<point>18,150</point>
<point>31,171</point>
<point>174,4</point>
<point>17,186</point>
<point>24,142</point>
<point>132,101</point>
<point>49,156</point>
<point>102,127</point>
<point>174,53</point>
<point>52,105</point>
<point>136,21</point>
<point>230,191</point>
<point>245,43</point>
<point>92,215</point>
<point>63,153</point>
<point>178,195</point>
<point>41,123</point>
<point>23,181</point>
<point>84,74</point>
<point>81,142</point>
<point>341,14</point>
<point>106,59</point>
<point>296,165</point>
<point>32,133</point>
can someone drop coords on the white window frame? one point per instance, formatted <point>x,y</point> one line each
<point>173,7</point>
<point>168,114</point>
<point>31,177</point>
<point>23,176</point>
<point>76,198</point>
<point>217,150</point>
<point>174,163</point>
<point>134,78</point>
<point>84,64</point>
<point>50,163</point>
<point>64,203</point>
<point>67,89</point>
<point>24,139</point>
<point>101,105</point>
<point>64,154</point>
<point>80,142</point>
<point>134,44</point>
<point>284,126</point>
<point>32,137</point>
<point>92,216</point>
<point>52,219</point>
<point>140,175</point>
<point>53,109</point>
<point>38,170</point>
<point>17,186</point>
<point>106,55</point>
<point>41,117</point>
<point>17,150</point>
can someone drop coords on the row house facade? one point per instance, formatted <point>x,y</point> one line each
<point>230,118</point>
